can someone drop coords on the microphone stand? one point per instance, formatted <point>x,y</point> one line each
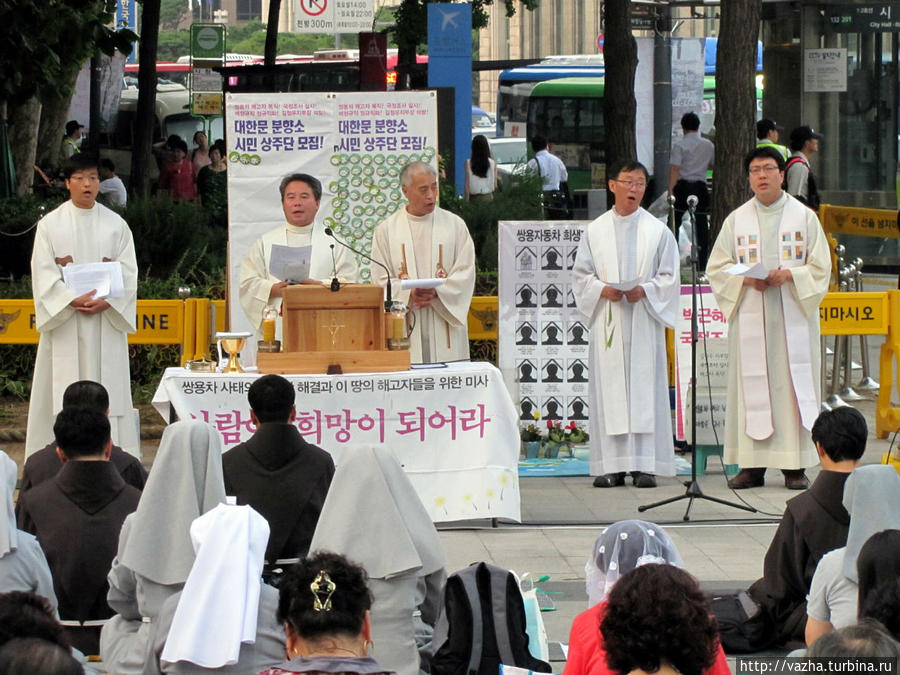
<point>389,301</point>
<point>693,490</point>
<point>335,283</point>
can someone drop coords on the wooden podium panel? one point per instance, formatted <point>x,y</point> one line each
<point>317,319</point>
<point>325,330</point>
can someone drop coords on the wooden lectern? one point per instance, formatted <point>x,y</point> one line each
<point>333,331</point>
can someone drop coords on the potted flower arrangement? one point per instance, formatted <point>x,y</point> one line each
<point>531,439</point>
<point>559,436</point>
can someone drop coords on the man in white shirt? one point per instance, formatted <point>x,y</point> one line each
<point>691,157</point>
<point>554,175</point>
<point>259,288</point>
<point>111,186</point>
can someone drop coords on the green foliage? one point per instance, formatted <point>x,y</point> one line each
<point>171,13</point>
<point>17,215</point>
<point>288,43</point>
<point>42,39</point>
<point>518,200</point>
<point>172,44</point>
<point>167,233</point>
<point>147,363</point>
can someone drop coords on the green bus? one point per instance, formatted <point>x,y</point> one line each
<point>569,113</point>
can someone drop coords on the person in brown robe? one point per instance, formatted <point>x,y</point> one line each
<point>76,517</point>
<point>814,523</point>
<point>277,472</point>
<point>45,463</point>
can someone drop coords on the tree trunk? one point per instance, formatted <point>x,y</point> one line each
<point>271,50</point>
<point>735,106</point>
<point>23,137</point>
<point>141,156</point>
<point>619,105</point>
<point>54,115</point>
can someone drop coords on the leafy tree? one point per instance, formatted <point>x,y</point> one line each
<point>171,14</point>
<point>288,43</point>
<point>172,44</point>
<point>141,156</point>
<point>735,105</point>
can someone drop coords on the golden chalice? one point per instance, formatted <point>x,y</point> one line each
<point>232,343</point>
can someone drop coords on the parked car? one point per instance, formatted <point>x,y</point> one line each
<point>483,123</point>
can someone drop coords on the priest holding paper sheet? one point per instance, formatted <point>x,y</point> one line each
<point>769,270</point>
<point>84,278</point>
<point>424,242</point>
<point>626,281</point>
<point>297,252</point>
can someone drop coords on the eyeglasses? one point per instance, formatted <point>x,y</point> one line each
<point>768,168</point>
<point>640,185</point>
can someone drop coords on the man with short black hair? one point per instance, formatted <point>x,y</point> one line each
<point>111,186</point>
<point>76,518</point>
<point>277,472</point>
<point>45,463</point>
<point>71,142</point>
<point>301,195</point>
<point>767,135</point>
<point>691,157</point>
<point>814,523</point>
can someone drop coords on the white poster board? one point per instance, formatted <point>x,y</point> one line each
<point>354,143</point>
<point>543,338</point>
<point>824,70</point>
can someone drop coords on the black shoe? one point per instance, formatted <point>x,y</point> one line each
<point>795,479</point>
<point>610,480</point>
<point>748,478</point>
<point>643,480</point>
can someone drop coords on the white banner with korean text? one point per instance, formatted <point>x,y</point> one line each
<point>453,429</point>
<point>354,143</point>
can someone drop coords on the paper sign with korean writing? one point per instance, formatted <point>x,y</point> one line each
<point>712,361</point>
<point>854,314</point>
<point>453,430</point>
<point>543,339</point>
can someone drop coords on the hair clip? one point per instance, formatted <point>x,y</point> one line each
<point>322,588</point>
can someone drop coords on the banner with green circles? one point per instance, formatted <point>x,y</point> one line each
<point>354,143</point>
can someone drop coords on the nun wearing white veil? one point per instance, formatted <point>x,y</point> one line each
<point>155,553</point>
<point>374,517</point>
<point>224,620</point>
<point>23,566</point>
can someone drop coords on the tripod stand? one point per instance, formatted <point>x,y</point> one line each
<point>693,490</point>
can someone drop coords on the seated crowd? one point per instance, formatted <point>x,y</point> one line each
<point>267,559</point>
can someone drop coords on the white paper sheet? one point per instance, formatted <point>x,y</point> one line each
<point>103,277</point>
<point>408,284</point>
<point>290,263</point>
<point>757,271</point>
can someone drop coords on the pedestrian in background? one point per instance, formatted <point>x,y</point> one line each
<point>481,172</point>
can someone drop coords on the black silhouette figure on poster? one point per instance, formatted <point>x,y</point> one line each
<point>526,334</point>
<point>551,409</point>
<point>551,334</point>
<point>578,409</point>
<point>526,372</point>
<point>577,334</point>
<point>526,405</point>
<point>551,296</point>
<point>551,372</point>
<point>577,371</point>
<point>526,296</point>
<point>551,259</point>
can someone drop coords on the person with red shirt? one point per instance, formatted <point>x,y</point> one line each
<point>177,175</point>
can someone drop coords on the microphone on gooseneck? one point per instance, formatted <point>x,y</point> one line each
<point>335,284</point>
<point>389,301</point>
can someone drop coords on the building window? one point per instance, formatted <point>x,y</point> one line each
<point>249,10</point>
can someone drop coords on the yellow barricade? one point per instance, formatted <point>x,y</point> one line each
<point>859,221</point>
<point>854,314</point>
<point>887,419</point>
<point>483,314</point>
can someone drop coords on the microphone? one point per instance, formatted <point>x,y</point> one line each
<point>335,284</point>
<point>692,202</point>
<point>389,301</point>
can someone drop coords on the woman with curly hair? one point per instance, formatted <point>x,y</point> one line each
<point>621,548</point>
<point>324,605</point>
<point>657,620</point>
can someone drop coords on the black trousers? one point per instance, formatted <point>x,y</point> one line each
<point>683,190</point>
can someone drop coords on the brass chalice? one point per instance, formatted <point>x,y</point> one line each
<point>232,343</point>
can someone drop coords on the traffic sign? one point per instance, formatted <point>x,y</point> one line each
<point>313,7</point>
<point>207,42</point>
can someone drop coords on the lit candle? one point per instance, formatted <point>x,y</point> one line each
<point>268,327</point>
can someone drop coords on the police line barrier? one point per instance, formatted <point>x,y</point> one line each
<point>859,221</point>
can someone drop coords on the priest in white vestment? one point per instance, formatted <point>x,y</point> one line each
<point>774,387</point>
<point>423,241</point>
<point>84,335</point>
<point>626,280</point>
<point>259,288</point>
